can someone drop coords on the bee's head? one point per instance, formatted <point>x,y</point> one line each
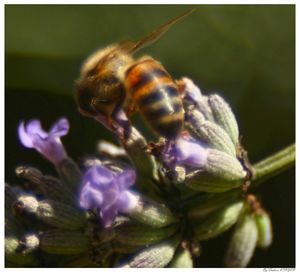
<point>99,95</point>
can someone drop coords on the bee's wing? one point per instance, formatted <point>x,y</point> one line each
<point>132,47</point>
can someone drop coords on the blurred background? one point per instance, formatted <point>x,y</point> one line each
<point>246,53</point>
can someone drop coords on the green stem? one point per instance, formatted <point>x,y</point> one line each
<point>273,165</point>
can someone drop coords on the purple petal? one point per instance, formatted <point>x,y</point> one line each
<point>108,216</point>
<point>126,179</point>
<point>103,180</point>
<point>60,128</point>
<point>51,148</point>
<point>25,139</point>
<point>106,190</point>
<point>190,153</point>
<point>40,144</point>
<point>90,197</point>
<point>111,194</point>
<point>99,176</point>
<point>34,127</point>
<point>192,91</point>
<point>127,202</point>
<point>49,145</point>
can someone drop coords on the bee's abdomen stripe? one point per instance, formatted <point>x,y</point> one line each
<point>171,90</point>
<point>158,93</point>
<point>145,77</point>
<point>163,110</point>
<point>156,96</point>
<point>169,129</point>
<point>149,98</point>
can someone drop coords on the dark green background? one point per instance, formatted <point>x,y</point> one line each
<point>244,52</point>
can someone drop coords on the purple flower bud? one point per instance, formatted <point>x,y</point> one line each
<point>47,143</point>
<point>187,152</point>
<point>191,91</point>
<point>108,192</point>
<point>192,96</point>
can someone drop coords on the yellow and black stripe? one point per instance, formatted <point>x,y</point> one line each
<point>156,96</point>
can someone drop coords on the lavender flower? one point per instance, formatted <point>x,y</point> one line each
<point>187,152</point>
<point>108,191</point>
<point>48,144</point>
<point>191,91</point>
<point>193,98</point>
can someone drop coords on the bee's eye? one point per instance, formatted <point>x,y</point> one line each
<point>83,98</point>
<point>109,80</point>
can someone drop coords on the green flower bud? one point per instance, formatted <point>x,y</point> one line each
<point>155,256</point>
<point>204,107</point>
<point>224,117</point>
<point>139,235</point>
<point>12,225</point>
<point>48,186</point>
<point>26,203</point>
<point>220,164</point>
<point>221,173</point>
<point>29,243</point>
<point>63,242</point>
<point>69,172</point>
<point>30,173</point>
<point>152,213</point>
<point>218,222</point>
<point>214,136</point>
<point>208,203</point>
<point>194,118</point>
<point>193,98</point>
<point>182,259</point>
<point>55,189</point>
<point>242,243</point>
<point>10,197</point>
<point>144,163</point>
<point>60,215</point>
<point>136,149</point>
<point>264,228</point>
<point>14,256</point>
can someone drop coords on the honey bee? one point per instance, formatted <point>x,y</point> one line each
<point>111,79</point>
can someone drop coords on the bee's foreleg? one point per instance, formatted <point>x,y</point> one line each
<point>121,124</point>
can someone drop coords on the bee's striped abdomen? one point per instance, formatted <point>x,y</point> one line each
<point>156,95</point>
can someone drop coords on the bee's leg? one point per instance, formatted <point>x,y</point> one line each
<point>156,149</point>
<point>107,121</point>
<point>121,124</point>
<point>130,109</point>
<point>126,124</point>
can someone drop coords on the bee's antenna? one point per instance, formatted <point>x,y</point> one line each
<point>158,32</point>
